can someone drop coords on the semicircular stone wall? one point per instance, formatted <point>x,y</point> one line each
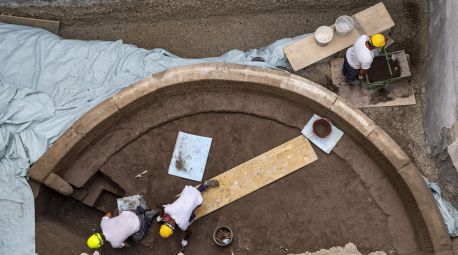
<point>68,166</point>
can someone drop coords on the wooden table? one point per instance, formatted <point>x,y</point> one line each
<point>305,52</point>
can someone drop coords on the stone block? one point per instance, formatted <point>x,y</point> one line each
<point>436,228</point>
<point>134,92</point>
<point>390,150</point>
<point>69,141</point>
<point>97,121</point>
<point>311,90</point>
<point>84,166</point>
<point>58,184</point>
<point>416,184</point>
<point>350,119</point>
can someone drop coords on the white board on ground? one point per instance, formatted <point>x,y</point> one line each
<point>257,173</point>
<point>190,156</point>
<point>325,144</point>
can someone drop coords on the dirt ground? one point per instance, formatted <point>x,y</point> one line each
<point>344,196</point>
<point>326,198</point>
<point>322,205</point>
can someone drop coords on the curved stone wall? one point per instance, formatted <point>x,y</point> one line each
<point>396,164</point>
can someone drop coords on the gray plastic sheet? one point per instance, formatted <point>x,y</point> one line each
<point>448,212</point>
<point>47,83</point>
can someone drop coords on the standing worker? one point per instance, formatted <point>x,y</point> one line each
<point>116,230</point>
<point>181,212</point>
<point>359,57</point>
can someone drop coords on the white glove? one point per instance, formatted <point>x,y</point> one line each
<point>159,219</point>
<point>184,243</point>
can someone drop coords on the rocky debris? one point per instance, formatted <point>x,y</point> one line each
<point>349,249</point>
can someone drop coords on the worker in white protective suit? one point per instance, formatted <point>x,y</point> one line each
<point>180,214</point>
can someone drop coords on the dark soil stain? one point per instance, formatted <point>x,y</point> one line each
<point>330,86</point>
<point>179,163</point>
<point>380,96</point>
<point>379,69</point>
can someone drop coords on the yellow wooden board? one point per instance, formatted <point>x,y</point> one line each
<point>305,52</point>
<point>257,173</point>
<point>50,25</point>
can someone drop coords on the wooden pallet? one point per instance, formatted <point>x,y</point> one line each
<point>305,52</point>
<point>257,173</point>
<point>50,25</point>
<point>401,91</point>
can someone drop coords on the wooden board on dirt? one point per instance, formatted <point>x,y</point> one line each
<point>50,25</point>
<point>305,52</point>
<point>401,92</point>
<point>257,173</point>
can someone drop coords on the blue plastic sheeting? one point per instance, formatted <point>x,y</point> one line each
<point>448,212</point>
<point>47,83</point>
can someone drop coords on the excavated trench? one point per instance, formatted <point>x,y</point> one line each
<point>349,195</point>
<point>346,196</point>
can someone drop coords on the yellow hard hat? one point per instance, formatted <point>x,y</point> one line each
<point>166,230</point>
<point>378,40</point>
<point>95,241</point>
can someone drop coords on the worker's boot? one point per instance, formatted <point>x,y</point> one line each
<point>211,183</point>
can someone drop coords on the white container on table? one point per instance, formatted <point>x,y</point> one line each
<point>324,35</point>
<point>344,25</point>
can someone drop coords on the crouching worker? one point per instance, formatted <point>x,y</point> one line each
<point>359,57</point>
<point>181,212</point>
<point>131,225</point>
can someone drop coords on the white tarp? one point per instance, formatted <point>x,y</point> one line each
<point>47,83</point>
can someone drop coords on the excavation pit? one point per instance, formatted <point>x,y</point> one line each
<point>351,194</point>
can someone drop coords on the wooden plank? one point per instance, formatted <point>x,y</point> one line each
<point>50,25</point>
<point>401,91</point>
<point>374,19</point>
<point>305,52</point>
<point>257,173</point>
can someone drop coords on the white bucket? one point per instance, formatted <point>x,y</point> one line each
<point>324,35</point>
<point>344,25</point>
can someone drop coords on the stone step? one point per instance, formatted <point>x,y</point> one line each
<point>100,192</point>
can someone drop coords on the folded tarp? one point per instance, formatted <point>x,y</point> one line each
<point>47,83</point>
<point>448,212</point>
